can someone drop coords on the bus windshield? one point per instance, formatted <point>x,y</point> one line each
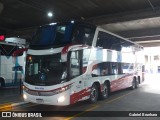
<point>45,70</point>
<point>8,50</point>
<point>58,35</point>
<point>52,35</point>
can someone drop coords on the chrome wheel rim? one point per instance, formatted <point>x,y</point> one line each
<point>134,84</point>
<point>105,91</point>
<point>93,94</point>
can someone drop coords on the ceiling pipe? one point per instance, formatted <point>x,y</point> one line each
<point>151,36</point>
<point>152,6</point>
<point>33,5</point>
<point>1,7</point>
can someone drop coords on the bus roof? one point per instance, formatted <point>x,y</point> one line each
<point>14,41</point>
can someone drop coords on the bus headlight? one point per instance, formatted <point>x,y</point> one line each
<point>24,96</point>
<point>61,99</point>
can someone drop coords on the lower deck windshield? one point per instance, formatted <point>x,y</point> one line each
<point>45,70</point>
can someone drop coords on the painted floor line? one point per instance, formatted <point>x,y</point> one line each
<point>95,106</point>
<point>90,109</point>
<point>118,97</point>
<point>5,107</point>
<point>10,106</point>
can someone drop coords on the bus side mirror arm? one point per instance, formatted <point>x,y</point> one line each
<point>17,52</point>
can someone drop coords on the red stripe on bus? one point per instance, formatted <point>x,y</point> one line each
<point>48,90</point>
<point>17,52</point>
<point>65,49</point>
<point>121,83</point>
<point>79,95</point>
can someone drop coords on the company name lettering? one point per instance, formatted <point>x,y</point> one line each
<point>39,88</point>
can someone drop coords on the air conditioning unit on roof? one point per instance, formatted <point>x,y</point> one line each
<point>16,40</point>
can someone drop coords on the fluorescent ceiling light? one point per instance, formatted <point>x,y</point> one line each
<point>50,14</point>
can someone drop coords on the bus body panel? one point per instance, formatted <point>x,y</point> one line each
<point>86,64</point>
<point>11,68</point>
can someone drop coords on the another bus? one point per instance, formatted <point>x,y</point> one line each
<point>11,68</point>
<point>75,61</point>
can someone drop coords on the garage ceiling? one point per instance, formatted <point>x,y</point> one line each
<point>138,20</point>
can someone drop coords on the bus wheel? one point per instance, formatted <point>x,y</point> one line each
<point>105,92</point>
<point>94,94</point>
<point>133,84</point>
<point>1,83</point>
<point>137,84</point>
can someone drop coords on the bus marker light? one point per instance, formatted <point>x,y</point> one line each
<point>24,96</point>
<point>30,58</point>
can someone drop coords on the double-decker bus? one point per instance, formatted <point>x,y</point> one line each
<point>75,61</point>
<point>11,67</point>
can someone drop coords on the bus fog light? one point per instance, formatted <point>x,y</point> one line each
<point>61,99</point>
<point>24,96</point>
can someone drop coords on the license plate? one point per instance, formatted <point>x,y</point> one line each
<point>40,100</point>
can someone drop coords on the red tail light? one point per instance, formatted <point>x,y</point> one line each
<point>1,37</point>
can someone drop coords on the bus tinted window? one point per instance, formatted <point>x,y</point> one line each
<point>54,35</point>
<point>7,50</point>
<point>108,41</point>
<point>83,35</point>
<point>111,68</point>
<point>43,36</point>
<point>127,67</point>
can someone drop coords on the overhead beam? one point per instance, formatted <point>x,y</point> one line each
<point>146,38</point>
<point>125,16</point>
<point>156,44</point>
<point>151,41</point>
<point>149,32</point>
<point>1,7</point>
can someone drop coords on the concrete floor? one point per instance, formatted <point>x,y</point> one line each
<point>145,98</point>
<point>10,95</point>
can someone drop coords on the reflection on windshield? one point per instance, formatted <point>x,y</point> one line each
<point>61,34</point>
<point>45,70</point>
<point>54,35</point>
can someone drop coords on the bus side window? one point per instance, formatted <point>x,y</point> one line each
<point>104,68</point>
<point>7,50</point>
<point>114,68</point>
<point>95,71</point>
<point>120,71</point>
<point>101,69</point>
<point>99,43</point>
<point>108,41</point>
<point>83,35</point>
<point>75,65</point>
<point>104,72</point>
<point>102,40</point>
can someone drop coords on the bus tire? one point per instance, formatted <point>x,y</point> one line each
<point>93,94</point>
<point>1,82</point>
<point>133,84</point>
<point>137,83</point>
<point>105,92</point>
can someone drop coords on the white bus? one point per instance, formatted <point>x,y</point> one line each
<point>75,61</point>
<point>11,68</point>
